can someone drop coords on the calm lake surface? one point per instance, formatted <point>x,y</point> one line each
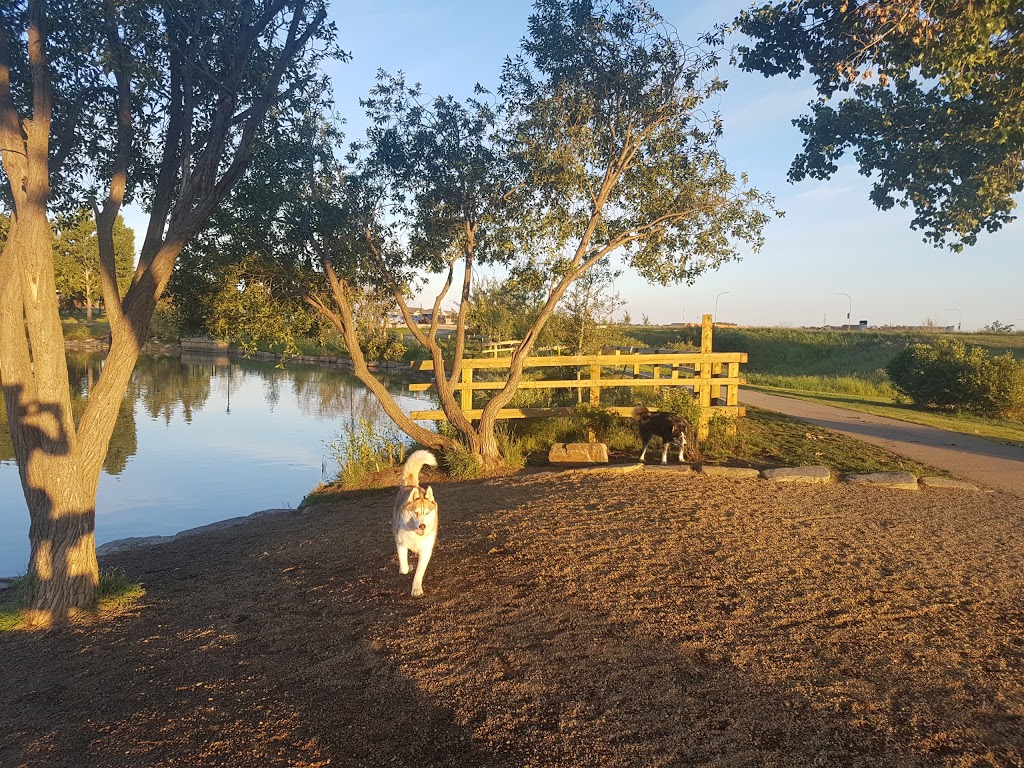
<point>201,439</point>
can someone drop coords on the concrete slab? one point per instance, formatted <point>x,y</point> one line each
<point>578,453</point>
<point>947,482</point>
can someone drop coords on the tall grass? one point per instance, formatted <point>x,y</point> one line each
<point>363,448</point>
<point>809,352</point>
<point>871,385</point>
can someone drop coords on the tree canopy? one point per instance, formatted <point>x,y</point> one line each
<point>102,103</point>
<point>929,97</point>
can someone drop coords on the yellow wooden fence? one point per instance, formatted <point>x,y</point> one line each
<point>706,373</point>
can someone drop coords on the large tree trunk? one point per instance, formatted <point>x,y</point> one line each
<point>62,569</point>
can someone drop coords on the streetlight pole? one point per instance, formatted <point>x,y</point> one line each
<point>849,308</point>
<point>716,303</point>
<point>960,314</point>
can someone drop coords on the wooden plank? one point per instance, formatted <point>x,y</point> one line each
<point>534,413</point>
<point>426,386</point>
<point>609,361</point>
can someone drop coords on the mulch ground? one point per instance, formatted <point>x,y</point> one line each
<point>570,619</point>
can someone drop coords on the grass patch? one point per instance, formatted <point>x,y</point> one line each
<point>995,429</point>
<point>809,352</point>
<point>116,592</point>
<point>766,439</point>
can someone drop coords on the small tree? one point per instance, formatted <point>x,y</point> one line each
<point>603,147</point>
<point>76,258</point>
<point>600,144</point>
<point>586,310</point>
<point>997,327</point>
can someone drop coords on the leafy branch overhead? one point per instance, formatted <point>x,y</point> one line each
<point>929,97</point>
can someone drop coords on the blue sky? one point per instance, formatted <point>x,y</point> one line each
<point>832,241</point>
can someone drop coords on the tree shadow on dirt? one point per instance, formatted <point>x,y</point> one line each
<point>294,641</point>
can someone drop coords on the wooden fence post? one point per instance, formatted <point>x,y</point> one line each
<point>467,392</point>
<point>704,399</point>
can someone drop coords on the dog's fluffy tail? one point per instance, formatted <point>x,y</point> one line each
<point>412,466</point>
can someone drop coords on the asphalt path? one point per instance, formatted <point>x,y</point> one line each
<point>989,463</point>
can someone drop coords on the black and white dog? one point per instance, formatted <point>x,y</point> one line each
<point>670,427</point>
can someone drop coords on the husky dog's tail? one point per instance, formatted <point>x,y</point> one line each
<point>411,468</point>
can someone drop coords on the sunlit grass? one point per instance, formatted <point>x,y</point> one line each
<point>996,429</point>
<point>116,592</point>
<point>877,386</point>
<point>766,439</point>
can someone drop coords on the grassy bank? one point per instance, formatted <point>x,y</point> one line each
<point>763,440</point>
<point>809,352</point>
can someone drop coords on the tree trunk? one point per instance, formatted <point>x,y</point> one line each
<point>344,322</point>
<point>63,571</point>
<point>33,369</point>
<point>88,309</point>
<point>484,445</point>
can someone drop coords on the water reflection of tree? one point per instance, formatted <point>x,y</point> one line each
<point>161,384</point>
<point>328,393</point>
<point>83,372</point>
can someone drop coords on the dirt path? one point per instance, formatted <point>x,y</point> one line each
<point>990,463</point>
<point>572,619</point>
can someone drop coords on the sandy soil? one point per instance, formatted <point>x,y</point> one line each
<point>571,619</point>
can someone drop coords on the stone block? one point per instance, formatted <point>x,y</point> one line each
<point>947,482</point>
<point>813,474</point>
<point>733,473</point>
<point>578,453</point>
<point>903,480</point>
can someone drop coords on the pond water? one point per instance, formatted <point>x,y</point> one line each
<point>201,439</point>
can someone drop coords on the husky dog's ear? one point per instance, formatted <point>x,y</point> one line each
<point>429,496</point>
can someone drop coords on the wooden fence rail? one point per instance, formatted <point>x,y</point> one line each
<point>706,373</point>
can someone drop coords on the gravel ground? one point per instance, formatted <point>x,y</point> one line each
<point>571,619</point>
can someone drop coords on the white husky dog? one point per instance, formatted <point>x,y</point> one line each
<point>415,519</point>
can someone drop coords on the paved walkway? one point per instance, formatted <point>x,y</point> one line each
<point>986,462</point>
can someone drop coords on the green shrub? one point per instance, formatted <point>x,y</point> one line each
<point>461,463</point>
<point>75,331</point>
<point>949,374</point>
